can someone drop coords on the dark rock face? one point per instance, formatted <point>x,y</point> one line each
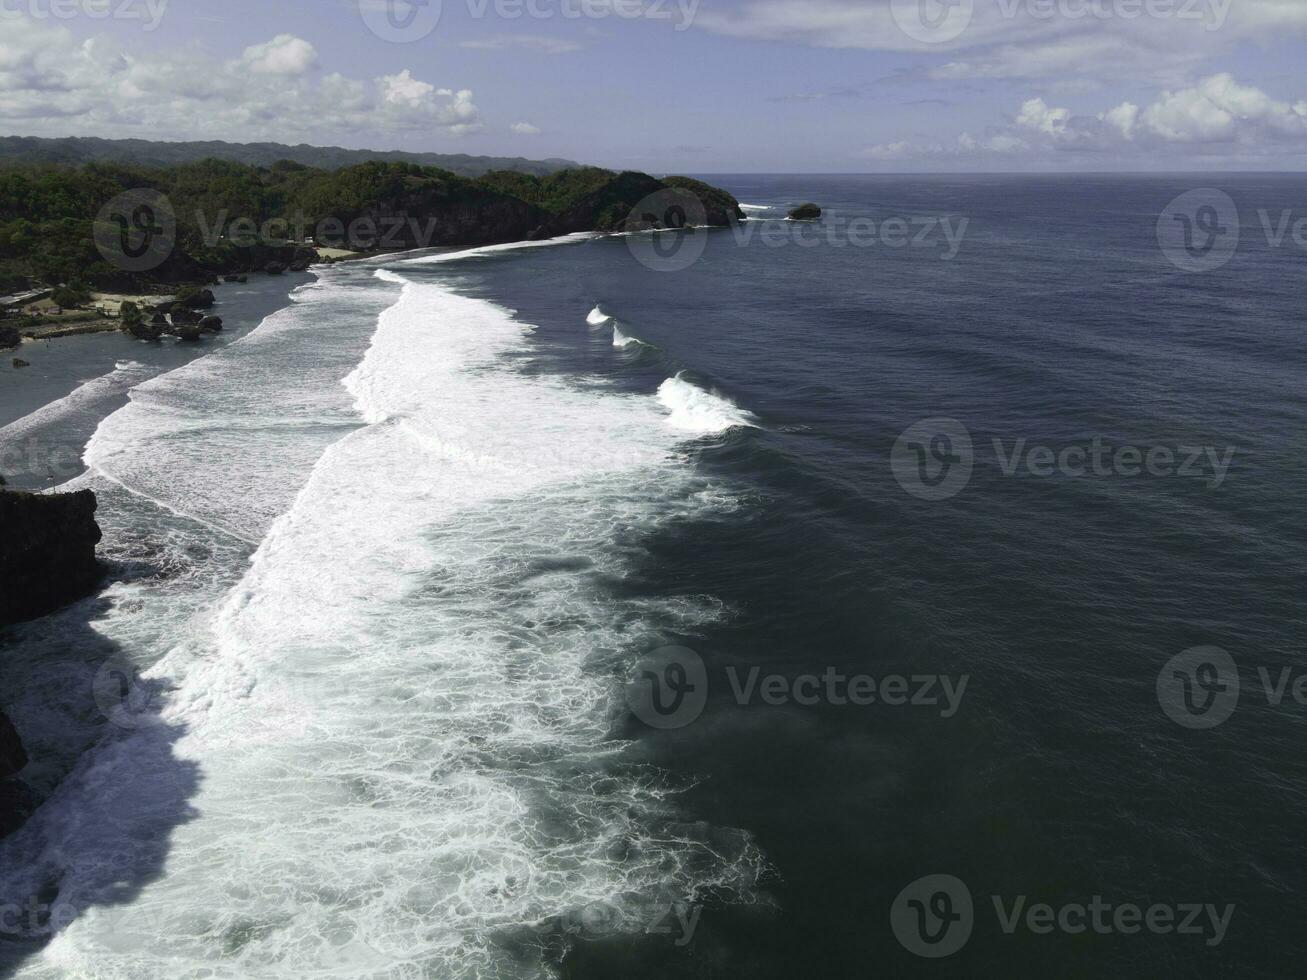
<point>12,755</point>
<point>194,299</point>
<point>9,337</point>
<point>612,207</point>
<point>720,207</point>
<point>184,316</point>
<point>20,363</point>
<point>15,801</point>
<point>806,212</point>
<point>47,552</point>
<point>274,268</point>
<point>146,331</point>
<point>189,332</point>
<point>213,323</point>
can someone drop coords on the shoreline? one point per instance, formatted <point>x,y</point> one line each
<point>76,379</point>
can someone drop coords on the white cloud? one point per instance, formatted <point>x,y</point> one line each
<point>52,84</point>
<point>1062,41</point>
<point>525,129</point>
<point>285,54</point>
<point>1216,117</point>
<point>405,89</point>
<point>1123,118</point>
<point>1220,109</point>
<point>1036,114</point>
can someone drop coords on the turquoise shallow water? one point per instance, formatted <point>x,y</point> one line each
<point>398,639</point>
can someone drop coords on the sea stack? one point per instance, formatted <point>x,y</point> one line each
<point>805,212</point>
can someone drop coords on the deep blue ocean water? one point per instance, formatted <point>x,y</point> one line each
<point>875,460</point>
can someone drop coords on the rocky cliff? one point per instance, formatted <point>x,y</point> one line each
<point>47,552</point>
<point>14,799</point>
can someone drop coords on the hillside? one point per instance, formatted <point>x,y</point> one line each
<point>76,150</point>
<point>226,218</point>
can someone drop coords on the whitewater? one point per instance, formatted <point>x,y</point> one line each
<point>369,599</point>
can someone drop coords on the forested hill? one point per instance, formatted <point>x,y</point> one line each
<point>68,225</point>
<point>76,150</point>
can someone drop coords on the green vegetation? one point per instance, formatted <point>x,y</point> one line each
<point>77,150</point>
<point>232,217</point>
<point>71,296</point>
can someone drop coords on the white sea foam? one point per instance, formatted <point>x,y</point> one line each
<point>621,339</point>
<point>755,207</point>
<point>471,253</point>
<point>597,317</point>
<point>208,439</point>
<point>698,411</point>
<point>402,712</point>
<point>125,375</point>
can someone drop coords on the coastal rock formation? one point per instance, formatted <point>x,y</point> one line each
<point>274,268</point>
<point>15,802</point>
<point>13,757</point>
<point>9,337</point>
<point>721,207</point>
<point>20,363</point>
<point>805,212</point>
<point>194,299</point>
<point>184,316</point>
<point>47,552</point>
<point>145,331</point>
<point>610,206</point>
<point>189,332</point>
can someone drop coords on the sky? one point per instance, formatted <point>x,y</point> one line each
<point>703,86</point>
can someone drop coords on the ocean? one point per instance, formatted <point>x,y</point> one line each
<point>918,592</point>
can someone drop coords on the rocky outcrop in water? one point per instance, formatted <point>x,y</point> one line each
<point>47,552</point>
<point>805,212</point>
